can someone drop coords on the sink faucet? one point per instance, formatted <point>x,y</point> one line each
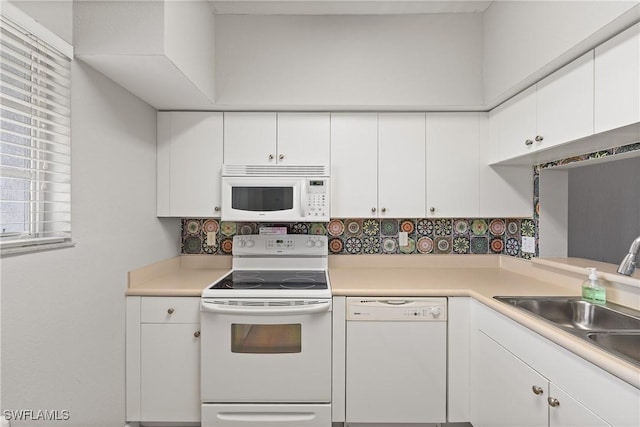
<point>628,264</point>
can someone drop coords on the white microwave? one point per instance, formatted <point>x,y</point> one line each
<point>275,193</point>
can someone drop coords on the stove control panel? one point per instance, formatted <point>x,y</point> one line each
<point>285,244</point>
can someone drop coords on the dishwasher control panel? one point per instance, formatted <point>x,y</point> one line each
<point>396,309</point>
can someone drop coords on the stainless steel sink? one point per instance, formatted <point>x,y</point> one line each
<point>626,344</point>
<point>570,312</point>
<point>611,327</point>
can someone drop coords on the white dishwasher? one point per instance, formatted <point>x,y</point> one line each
<point>396,367</point>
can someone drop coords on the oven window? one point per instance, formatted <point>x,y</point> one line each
<point>267,339</point>
<point>262,199</point>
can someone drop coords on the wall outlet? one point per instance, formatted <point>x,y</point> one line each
<point>529,245</point>
<point>211,238</point>
<point>403,238</point>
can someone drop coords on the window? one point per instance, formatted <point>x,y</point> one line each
<point>35,142</point>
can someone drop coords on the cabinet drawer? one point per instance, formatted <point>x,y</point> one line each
<point>170,310</point>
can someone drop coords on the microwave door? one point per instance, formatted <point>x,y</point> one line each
<point>265,199</point>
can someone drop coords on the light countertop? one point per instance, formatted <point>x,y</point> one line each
<point>477,276</point>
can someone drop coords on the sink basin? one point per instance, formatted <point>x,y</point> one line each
<point>610,327</point>
<point>572,312</point>
<point>627,344</point>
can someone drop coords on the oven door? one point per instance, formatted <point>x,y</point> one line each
<point>265,351</point>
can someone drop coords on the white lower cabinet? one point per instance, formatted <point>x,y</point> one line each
<point>519,378</point>
<point>163,360</point>
<point>508,392</point>
<point>170,372</point>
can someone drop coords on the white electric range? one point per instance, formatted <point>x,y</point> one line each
<point>266,336</point>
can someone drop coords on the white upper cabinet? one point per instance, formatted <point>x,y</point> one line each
<point>250,138</point>
<point>557,110</point>
<point>283,138</point>
<point>565,104</point>
<point>401,165</point>
<point>304,138</point>
<point>452,164</point>
<point>354,165</point>
<point>617,81</point>
<point>189,163</point>
<point>514,125</point>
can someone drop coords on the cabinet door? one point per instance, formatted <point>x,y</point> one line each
<point>189,162</point>
<point>401,165</point>
<point>570,412</point>
<point>170,372</point>
<point>250,138</point>
<point>452,164</point>
<point>617,81</point>
<point>502,393</point>
<point>354,165</point>
<point>303,138</point>
<point>565,103</point>
<point>515,126</point>
<point>505,191</point>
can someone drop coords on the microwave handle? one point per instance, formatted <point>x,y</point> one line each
<point>213,307</point>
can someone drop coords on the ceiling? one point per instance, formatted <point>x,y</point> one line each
<point>352,7</point>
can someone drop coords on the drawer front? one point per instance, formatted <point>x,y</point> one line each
<point>170,310</point>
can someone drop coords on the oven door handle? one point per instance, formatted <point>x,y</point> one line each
<point>213,307</point>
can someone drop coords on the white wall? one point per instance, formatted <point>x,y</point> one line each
<point>525,40</point>
<point>369,61</point>
<point>63,312</point>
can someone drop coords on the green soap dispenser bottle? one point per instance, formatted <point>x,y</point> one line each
<point>593,289</point>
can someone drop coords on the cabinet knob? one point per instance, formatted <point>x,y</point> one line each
<point>373,210</point>
<point>170,311</point>
<point>432,209</point>
<point>216,209</point>
<point>196,334</point>
<point>281,157</point>
<point>553,402</point>
<point>537,390</point>
<point>539,138</point>
<point>271,156</point>
<point>528,142</point>
<point>383,210</point>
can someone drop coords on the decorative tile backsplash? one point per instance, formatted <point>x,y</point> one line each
<point>380,236</point>
<point>377,236</point>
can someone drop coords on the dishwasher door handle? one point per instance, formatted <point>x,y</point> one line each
<point>395,302</point>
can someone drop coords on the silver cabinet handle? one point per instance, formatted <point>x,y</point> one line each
<point>170,311</point>
<point>196,334</point>
<point>281,157</point>
<point>373,210</point>
<point>271,156</point>
<point>537,390</point>
<point>553,402</point>
<point>528,142</point>
<point>539,138</point>
<point>432,209</point>
<point>216,209</point>
<point>383,210</point>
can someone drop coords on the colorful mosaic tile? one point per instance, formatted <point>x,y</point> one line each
<point>374,236</point>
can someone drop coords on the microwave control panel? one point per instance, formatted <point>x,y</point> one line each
<point>317,199</point>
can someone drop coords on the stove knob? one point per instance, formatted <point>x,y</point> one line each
<point>319,243</point>
<point>310,243</point>
<point>250,243</point>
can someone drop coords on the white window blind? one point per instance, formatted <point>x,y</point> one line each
<point>35,143</point>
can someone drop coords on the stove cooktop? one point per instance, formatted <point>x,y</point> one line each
<point>277,279</point>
